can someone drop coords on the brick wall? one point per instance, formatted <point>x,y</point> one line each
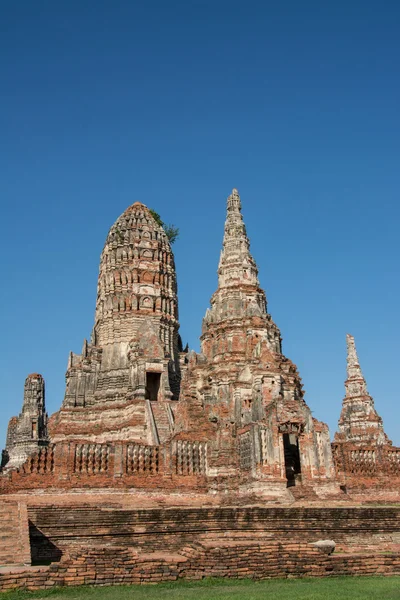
<point>57,531</point>
<point>111,545</point>
<point>110,566</point>
<point>115,465</point>
<point>368,472</point>
<point>14,534</point>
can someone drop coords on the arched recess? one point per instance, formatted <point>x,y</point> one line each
<point>147,277</point>
<point>146,302</point>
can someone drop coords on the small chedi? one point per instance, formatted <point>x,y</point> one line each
<point>364,456</point>
<point>142,413</point>
<point>27,433</point>
<point>359,423</point>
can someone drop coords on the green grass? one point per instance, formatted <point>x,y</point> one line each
<point>335,588</point>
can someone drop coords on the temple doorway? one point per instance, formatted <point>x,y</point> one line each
<point>292,458</point>
<point>152,385</point>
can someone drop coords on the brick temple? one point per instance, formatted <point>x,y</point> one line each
<point>146,423</point>
<point>140,411</point>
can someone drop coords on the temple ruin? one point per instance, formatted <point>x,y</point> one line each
<point>141,411</point>
<point>365,459</point>
<point>27,433</point>
<point>146,425</point>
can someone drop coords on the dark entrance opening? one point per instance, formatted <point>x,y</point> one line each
<point>152,385</point>
<point>292,458</point>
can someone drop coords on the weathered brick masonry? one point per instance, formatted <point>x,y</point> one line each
<point>111,546</point>
<point>258,561</point>
<point>142,412</point>
<point>63,529</point>
<point>147,423</point>
<point>137,405</point>
<point>367,464</point>
<point>14,533</point>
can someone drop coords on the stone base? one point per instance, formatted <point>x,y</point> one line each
<point>104,542</point>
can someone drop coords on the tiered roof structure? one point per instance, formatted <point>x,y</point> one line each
<point>241,390</point>
<point>359,422</point>
<point>365,460</point>
<point>141,413</point>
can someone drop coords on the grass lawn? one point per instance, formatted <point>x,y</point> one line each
<point>336,588</point>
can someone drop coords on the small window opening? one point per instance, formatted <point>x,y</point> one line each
<point>34,430</point>
<point>152,385</point>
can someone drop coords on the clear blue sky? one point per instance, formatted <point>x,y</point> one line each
<point>296,104</point>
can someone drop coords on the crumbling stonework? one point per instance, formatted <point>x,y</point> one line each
<point>140,413</point>
<point>122,385</point>
<point>163,464</point>
<point>148,546</point>
<point>359,422</point>
<point>366,461</point>
<point>27,433</point>
<point>241,395</point>
<point>124,566</point>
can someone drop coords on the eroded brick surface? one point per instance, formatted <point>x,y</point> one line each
<point>113,566</point>
<point>365,460</point>
<point>111,545</point>
<point>27,433</point>
<point>140,411</point>
<point>14,533</point>
<point>145,424</point>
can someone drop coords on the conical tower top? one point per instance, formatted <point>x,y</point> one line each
<point>354,373</point>
<point>137,282</point>
<point>233,202</point>
<point>236,265</point>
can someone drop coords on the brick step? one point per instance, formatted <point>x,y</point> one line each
<point>74,517</point>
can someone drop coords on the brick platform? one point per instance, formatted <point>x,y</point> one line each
<point>57,531</point>
<point>111,545</point>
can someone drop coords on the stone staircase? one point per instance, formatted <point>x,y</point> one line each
<point>14,534</point>
<point>161,420</point>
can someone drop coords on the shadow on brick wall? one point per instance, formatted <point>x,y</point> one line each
<point>43,551</point>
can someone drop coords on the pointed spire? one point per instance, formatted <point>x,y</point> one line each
<point>359,423</point>
<point>236,265</point>
<point>355,383</point>
<point>233,202</point>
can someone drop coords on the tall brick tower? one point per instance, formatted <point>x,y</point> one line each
<point>241,392</point>
<point>116,388</point>
<point>238,299</point>
<point>27,432</point>
<point>359,422</point>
